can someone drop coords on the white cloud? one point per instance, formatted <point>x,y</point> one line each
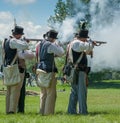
<point>21,1</point>
<point>5,16</point>
<point>31,29</point>
<point>6,23</point>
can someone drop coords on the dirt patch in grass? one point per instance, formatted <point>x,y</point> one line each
<point>28,92</point>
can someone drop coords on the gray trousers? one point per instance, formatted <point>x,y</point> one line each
<point>78,94</point>
<point>48,98</point>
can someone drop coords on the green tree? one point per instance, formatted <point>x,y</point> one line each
<point>60,13</point>
<point>69,8</point>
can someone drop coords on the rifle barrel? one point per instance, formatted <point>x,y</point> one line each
<point>33,39</point>
<point>102,42</point>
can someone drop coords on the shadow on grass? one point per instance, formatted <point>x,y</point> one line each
<point>104,85</point>
<point>89,113</point>
<point>97,113</point>
<point>60,113</point>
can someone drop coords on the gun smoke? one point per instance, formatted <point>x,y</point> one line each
<point>104,27</point>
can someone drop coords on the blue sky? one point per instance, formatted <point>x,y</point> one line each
<point>27,12</point>
<point>38,10</point>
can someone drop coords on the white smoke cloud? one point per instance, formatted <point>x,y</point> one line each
<point>67,34</point>
<point>17,2</point>
<point>104,27</point>
<point>68,28</point>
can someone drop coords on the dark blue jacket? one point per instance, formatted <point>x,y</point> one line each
<point>9,53</point>
<point>47,62</point>
<point>83,61</point>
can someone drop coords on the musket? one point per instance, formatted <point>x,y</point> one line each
<point>101,42</point>
<point>33,39</point>
<point>97,43</point>
<point>65,43</point>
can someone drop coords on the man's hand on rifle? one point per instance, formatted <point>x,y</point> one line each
<point>26,40</point>
<point>96,43</point>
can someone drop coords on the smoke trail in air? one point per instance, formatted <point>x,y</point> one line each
<point>105,26</point>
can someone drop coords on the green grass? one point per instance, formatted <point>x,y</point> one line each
<point>103,106</point>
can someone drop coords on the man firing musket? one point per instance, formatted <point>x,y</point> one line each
<point>77,60</point>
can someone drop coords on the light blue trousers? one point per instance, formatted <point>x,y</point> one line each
<point>78,94</point>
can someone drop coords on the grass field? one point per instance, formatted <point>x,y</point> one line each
<point>103,106</point>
